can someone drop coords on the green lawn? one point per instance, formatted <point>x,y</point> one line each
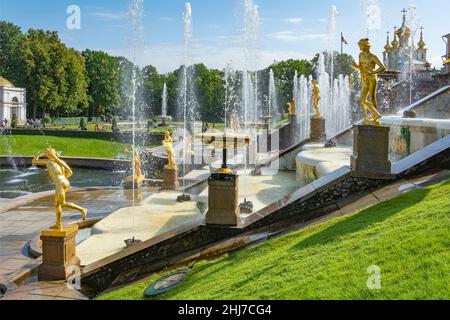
<point>407,237</point>
<point>25,145</point>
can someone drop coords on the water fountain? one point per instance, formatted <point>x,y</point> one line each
<point>413,23</point>
<point>250,75</point>
<point>302,97</point>
<point>335,103</point>
<point>164,118</point>
<point>136,12</point>
<point>273,112</point>
<point>371,13</point>
<point>187,99</point>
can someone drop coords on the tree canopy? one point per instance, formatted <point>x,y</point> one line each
<point>62,81</point>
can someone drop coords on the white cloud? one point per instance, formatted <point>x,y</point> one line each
<point>295,20</point>
<point>109,15</point>
<point>169,57</point>
<point>294,36</point>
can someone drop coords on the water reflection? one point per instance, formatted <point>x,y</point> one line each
<point>16,183</point>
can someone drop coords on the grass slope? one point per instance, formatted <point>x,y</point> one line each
<point>407,237</point>
<point>25,145</point>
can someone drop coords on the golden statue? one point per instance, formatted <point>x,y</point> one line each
<point>235,123</point>
<point>168,145</point>
<point>369,80</point>
<point>316,98</point>
<point>59,172</point>
<point>137,164</point>
<point>292,108</point>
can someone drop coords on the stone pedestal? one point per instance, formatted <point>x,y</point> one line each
<point>170,179</point>
<point>371,150</point>
<point>58,253</point>
<point>318,130</point>
<point>137,181</point>
<point>223,203</point>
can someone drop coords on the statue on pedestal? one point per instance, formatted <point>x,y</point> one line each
<point>137,164</point>
<point>59,172</point>
<point>235,123</point>
<point>168,145</point>
<point>292,108</point>
<point>369,80</point>
<point>316,98</point>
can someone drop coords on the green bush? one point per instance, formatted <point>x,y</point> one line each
<point>14,121</point>
<point>46,120</point>
<point>83,126</point>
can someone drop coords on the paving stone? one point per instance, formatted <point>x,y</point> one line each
<point>52,291</point>
<point>33,297</point>
<point>15,264</point>
<point>394,190</point>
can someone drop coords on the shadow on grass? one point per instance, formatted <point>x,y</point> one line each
<point>364,219</point>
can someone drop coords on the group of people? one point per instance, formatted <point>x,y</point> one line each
<point>35,124</point>
<point>4,123</point>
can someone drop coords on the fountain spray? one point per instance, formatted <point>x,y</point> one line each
<point>136,11</point>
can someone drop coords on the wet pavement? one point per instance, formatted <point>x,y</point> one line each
<point>21,225</point>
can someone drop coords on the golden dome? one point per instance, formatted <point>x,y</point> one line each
<point>421,43</point>
<point>395,43</point>
<point>387,47</point>
<point>5,83</point>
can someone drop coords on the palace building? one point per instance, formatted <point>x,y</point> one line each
<point>402,55</point>
<point>12,101</point>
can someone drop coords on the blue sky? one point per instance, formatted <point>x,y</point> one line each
<point>289,28</point>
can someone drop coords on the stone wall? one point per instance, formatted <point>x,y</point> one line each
<point>434,106</point>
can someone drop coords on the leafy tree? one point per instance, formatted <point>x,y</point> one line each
<point>45,71</point>
<point>211,93</point>
<point>56,81</point>
<point>153,84</point>
<point>75,101</point>
<point>342,64</point>
<point>127,73</point>
<point>12,53</point>
<point>284,73</point>
<point>102,71</point>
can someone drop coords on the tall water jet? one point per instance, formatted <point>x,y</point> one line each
<point>331,39</point>
<point>187,101</point>
<point>371,13</point>
<point>273,98</point>
<point>164,101</point>
<point>136,12</point>
<point>302,97</point>
<point>335,102</point>
<point>228,92</point>
<point>413,23</point>
<point>250,74</point>
<point>233,96</point>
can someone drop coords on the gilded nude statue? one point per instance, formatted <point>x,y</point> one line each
<point>316,98</point>
<point>168,145</point>
<point>368,63</point>
<point>59,172</point>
